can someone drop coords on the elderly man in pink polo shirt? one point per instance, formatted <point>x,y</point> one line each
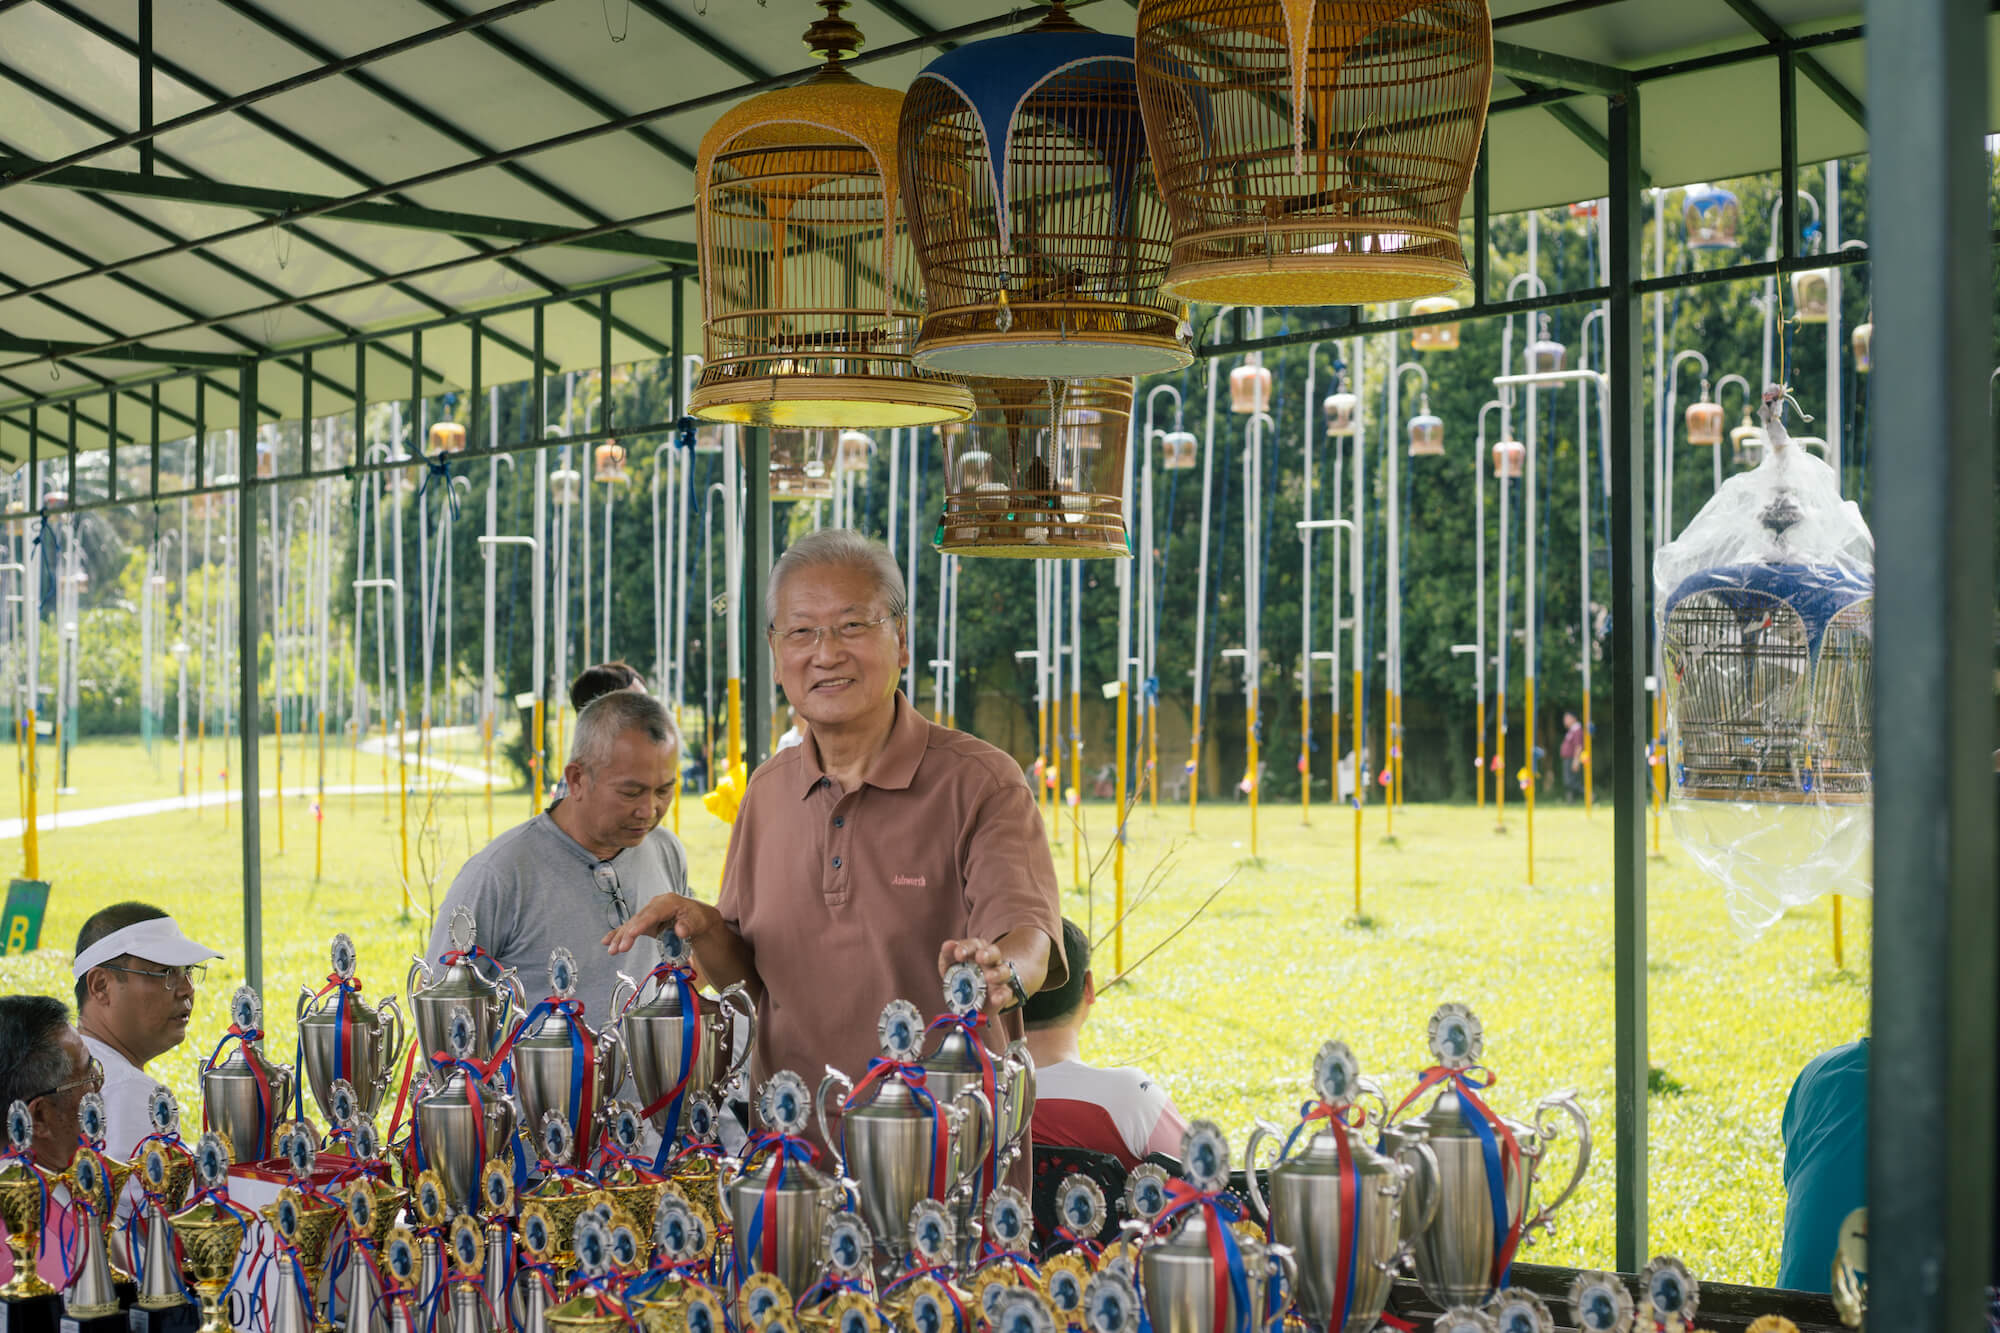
<point>880,851</point>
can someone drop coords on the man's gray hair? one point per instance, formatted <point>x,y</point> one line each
<point>32,1062</point>
<point>839,548</point>
<point>606,718</point>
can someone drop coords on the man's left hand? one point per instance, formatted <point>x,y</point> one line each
<point>992,965</point>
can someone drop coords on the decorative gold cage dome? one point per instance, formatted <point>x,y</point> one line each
<point>1314,152</point>
<point>1042,237</point>
<point>1039,471</point>
<point>809,287</point>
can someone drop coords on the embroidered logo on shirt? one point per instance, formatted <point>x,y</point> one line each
<point>912,881</point>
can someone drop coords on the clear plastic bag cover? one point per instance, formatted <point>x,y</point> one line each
<point>1766,625</point>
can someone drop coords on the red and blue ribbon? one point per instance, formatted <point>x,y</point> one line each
<point>761,1236</point>
<point>1497,1146</point>
<point>347,996</point>
<point>582,1107</point>
<point>989,1083</point>
<point>911,1076</point>
<point>1225,1252</point>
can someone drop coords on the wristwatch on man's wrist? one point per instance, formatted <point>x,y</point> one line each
<point>1014,985</point>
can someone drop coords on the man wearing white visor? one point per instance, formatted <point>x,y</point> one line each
<point>136,975</point>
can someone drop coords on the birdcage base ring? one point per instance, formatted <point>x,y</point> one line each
<point>1026,529</point>
<point>1038,356</point>
<point>1309,279</point>
<point>832,402</point>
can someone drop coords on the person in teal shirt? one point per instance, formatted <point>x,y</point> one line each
<point>1826,1162</point>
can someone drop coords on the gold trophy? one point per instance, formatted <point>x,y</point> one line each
<point>24,1201</point>
<point>211,1232</point>
<point>590,1311</point>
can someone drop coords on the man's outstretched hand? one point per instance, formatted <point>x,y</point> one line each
<point>992,964</point>
<point>686,917</point>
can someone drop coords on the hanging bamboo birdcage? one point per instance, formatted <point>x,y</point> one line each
<point>1809,295</point>
<point>565,485</point>
<point>1250,386</point>
<point>856,451</point>
<point>1434,337</point>
<point>1342,414</point>
<point>1426,432</point>
<point>1704,420</point>
<point>608,463</point>
<point>1314,152</point>
<point>1039,470</point>
<point>1510,458</point>
<point>1177,450</point>
<point>799,469</point>
<point>447,437</point>
<point>1033,211</point>
<point>809,286</point>
<point>1709,217</point>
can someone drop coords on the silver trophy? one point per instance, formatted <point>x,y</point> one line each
<point>90,1294</point>
<point>461,1122</point>
<point>955,1068</point>
<point>1305,1214</point>
<point>1455,1255</point>
<point>341,1038</point>
<point>886,1144</point>
<point>164,1174</point>
<point>1177,1278</point>
<point>654,1030</point>
<point>790,1226</point>
<point>545,1060</point>
<point>493,1001</point>
<point>243,1094</point>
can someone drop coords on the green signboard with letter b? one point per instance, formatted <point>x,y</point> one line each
<point>21,920</point>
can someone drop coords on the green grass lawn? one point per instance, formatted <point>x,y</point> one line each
<point>1227,1014</point>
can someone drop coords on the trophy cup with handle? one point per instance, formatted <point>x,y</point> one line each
<point>560,1064</point>
<point>1337,1203</point>
<point>243,1094</point>
<point>466,977</point>
<point>676,1041</point>
<point>961,1061</point>
<point>341,1037</point>
<point>898,1142</point>
<point>778,1201</point>
<point>1479,1219</point>
<point>464,1118</point>
<point>1197,1269</point>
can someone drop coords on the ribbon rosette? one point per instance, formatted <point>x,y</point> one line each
<point>1497,1147</point>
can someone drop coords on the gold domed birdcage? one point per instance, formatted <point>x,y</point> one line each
<point>809,286</point>
<point>1041,235</point>
<point>1039,470</point>
<point>1434,337</point>
<point>1314,152</point>
<point>1704,419</point>
<point>1250,386</point>
<point>447,437</point>
<point>608,463</point>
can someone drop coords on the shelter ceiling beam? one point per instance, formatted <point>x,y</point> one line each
<point>326,69</point>
<point>1588,76</point>
<point>259,199</point>
<point>90,23</point>
<point>703,38</point>
<point>1569,118</point>
<point>900,13</point>
<point>1822,78</point>
<point>1552,11</point>
<point>48,349</point>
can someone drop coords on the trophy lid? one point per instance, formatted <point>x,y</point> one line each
<point>246,1011</point>
<point>1669,1292</point>
<point>91,1118</point>
<point>964,989</point>
<point>1457,1038</point>
<point>784,1102</point>
<point>343,1108</point>
<point>1205,1156</point>
<point>1111,1304</point>
<point>401,1257</point>
<point>212,1160</point>
<point>342,953</point>
<point>496,1188</point>
<point>1599,1303</point>
<point>675,951</point>
<point>675,1230</point>
<point>698,1118</point>
<point>931,1233</point>
<point>846,1245</point>
<point>554,1137</point>
<point>1463,1319</point>
<point>1010,1223</point>
<point>901,1030</point>
<point>1080,1205</point>
<point>163,1113</point>
<point>467,1247</point>
<point>1336,1073</point>
<point>20,1129</point>
<point>464,930</point>
<point>1146,1191</point>
<point>562,974</point>
<point>1518,1310</point>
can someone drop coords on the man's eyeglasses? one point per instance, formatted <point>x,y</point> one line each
<point>616,909</point>
<point>91,1078</point>
<point>806,637</point>
<point>171,977</point>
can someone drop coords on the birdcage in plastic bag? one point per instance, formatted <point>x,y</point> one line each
<point>1766,606</point>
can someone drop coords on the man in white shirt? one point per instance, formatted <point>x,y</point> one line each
<point>136,975</point>
<point>1121,1111</point>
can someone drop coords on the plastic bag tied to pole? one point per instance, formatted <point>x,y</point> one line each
<point>1766,621</point>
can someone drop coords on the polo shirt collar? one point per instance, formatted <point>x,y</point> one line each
<point>893,769</point>
<point>546,821</point>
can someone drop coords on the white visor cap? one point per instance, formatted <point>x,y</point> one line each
<point>157,941</point>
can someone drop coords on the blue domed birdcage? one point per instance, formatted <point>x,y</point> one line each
<point>1042,237</point>
<point>1710,215</point>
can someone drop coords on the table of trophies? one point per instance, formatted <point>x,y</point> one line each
<point>515,1193</point>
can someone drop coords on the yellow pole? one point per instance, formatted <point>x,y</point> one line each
<point>31,841</point>
<point>535,761</point>
<point>403,803</point>
<point>735,756</point>
<point>1076,784</point>
<point>1479,764</point>
<point>1839,954</point>
<point>1397,747</point>
<point>1360,789</point>
<point>1250,722</point>
<point>1586,756</point>
<point>1528,757</point>
<point>1305,751</point>
<point>1118,854</point>
<point>1659,768</point>
<point>1194,761</point>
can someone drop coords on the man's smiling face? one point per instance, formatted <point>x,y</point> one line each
<point>850,669</point>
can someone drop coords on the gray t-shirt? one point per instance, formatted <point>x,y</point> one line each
<point>535,889</point>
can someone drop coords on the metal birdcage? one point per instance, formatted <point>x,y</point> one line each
<point>447,437</point>
<point>1177,450</point>
<point>1809,295</point>
<point>1704,419</point>
<point>1033,211</point>
<point>1510,459</point>
<point>608,463</point>
<point>799,467</point>
<point>1434,337</point>
<point>855,452</point>
<point>1039,470</point>
<point>1710,216</point>
<point>809,285</point>
<point>1426,432</point>
<point>1770,674</point>
<point>1250,386</point>
<point>1342,414</point>
<point>1314,152</point>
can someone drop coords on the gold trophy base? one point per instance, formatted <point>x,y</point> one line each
<point>214,1308</point>
<point>27,1283</point>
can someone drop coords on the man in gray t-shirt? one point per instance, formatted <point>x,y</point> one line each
<point>570,874</point>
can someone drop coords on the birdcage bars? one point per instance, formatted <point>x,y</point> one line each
<point>1033,212</point>
<point>1314,152</point>
<point>1039,470</point>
